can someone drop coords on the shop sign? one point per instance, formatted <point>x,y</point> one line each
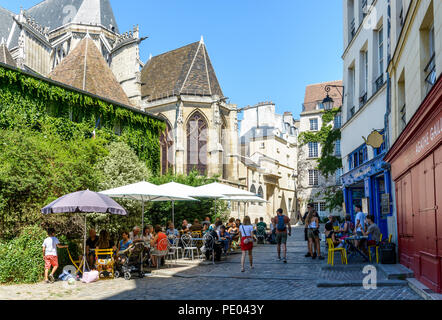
<point>385,203</point>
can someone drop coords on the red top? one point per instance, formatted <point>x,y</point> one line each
<point>163,245</point>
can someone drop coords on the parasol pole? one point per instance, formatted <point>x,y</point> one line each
<point>173,213</point>
<point>142,231</point>
<point>84,245</point>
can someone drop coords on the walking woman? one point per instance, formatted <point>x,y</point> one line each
<point>246,230</point>
<point>312,223</point>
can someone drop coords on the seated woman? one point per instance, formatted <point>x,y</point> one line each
<point>224,238</point>
<point>125,242</point>
<point>330,234</point>
<point>105,261</point>
<point>230,223</point>
<point>234,232</point>
<point>157,247</point>
<point>205,228</point>
<point>345,229</point>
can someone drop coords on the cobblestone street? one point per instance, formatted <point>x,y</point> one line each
<point>271,279</point>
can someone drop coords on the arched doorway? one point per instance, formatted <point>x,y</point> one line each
<point>197,136</point>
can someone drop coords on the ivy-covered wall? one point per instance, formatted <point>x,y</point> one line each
<point>28,101</point>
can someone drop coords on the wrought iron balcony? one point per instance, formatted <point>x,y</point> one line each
<point>352,29</point>
<point>362,100</point>
<point>378,83</point>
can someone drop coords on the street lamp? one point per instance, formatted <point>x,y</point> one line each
<point>328,102</point>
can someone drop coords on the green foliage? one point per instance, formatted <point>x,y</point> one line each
<point>120,167</point>
<point>21,259</point>
<point>37,168</point>
<point>28,102</point>
<point>161,212</point>
<point>328,163</point>
<point>334,197</point>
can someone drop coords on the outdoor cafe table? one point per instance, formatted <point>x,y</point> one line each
<point>353,248</point>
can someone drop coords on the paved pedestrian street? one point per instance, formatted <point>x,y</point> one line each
<point>271,279</point>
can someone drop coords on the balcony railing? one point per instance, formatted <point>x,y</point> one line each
<point>378,83</point>
<point>362,100</point>
<point>401,17</point>
<point>352,29</point>
<point>364,9</point>
<point>351,113</point>
<point>430,71</point>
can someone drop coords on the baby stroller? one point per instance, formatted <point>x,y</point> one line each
<point>105,262</point>
<point>129,261</point>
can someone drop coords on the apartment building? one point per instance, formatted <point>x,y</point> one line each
<point>416,135</point>
<point>311,183</point>
<point>366,176</point>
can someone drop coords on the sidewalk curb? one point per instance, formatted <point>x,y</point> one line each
<point>422,290</point>
<point>353,283</point>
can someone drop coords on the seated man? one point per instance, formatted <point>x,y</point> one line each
<point>91,244</point>
<point>372,230</point>
<point>185,227</point>
<point>172,233</point>
<point>196,226</point>
<point>135,235</point>
<point>261,223</point>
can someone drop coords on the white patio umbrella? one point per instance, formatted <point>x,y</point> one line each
<point>245,200</point>
<point>219,188</point>
<point>143,191</point>
<point>179,190</point>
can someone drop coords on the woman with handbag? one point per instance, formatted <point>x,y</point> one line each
<point>312,223</point>
<point>246,230</point>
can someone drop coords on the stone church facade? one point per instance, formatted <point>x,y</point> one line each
<point>76,41</point>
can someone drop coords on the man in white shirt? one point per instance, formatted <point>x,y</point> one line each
<point>359,223</point>
<point>50,257</point>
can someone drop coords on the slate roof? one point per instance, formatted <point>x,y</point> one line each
<point>186,70</point>
<point>56,13</point>
<point>5,23</point>
<point>5,56</point>
<point>315,93</point>
<point>85,68</point>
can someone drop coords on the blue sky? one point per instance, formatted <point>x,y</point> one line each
<point>262,50</point>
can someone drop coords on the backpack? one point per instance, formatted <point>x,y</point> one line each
<point>281,223</point>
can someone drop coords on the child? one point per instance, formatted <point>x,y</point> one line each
<point>50,257</point>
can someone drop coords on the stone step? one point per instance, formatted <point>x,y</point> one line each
<point>396,271</point>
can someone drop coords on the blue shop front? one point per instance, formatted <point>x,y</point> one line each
<point>369,185</point>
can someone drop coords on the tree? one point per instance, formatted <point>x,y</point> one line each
<point>120,167</point>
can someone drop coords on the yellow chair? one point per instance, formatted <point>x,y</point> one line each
<point>106,263</point>
<point>377,250</point>
<point>335,228</point>
<point>332,250</point>
<point>389,238</point>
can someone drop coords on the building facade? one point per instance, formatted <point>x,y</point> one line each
<point>416,135</point>
<point>268,160</point>
<point>311,183</point>
<point>366,176</point>
<point>181,86</point>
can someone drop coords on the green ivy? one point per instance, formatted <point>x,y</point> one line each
<point>30,102</point>
<point>328,163</point>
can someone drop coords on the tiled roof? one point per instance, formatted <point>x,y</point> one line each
<point>315,93</point>
<point>85,68</point>
<point>187,70</point>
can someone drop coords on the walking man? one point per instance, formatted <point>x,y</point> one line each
<point>282,224</point>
